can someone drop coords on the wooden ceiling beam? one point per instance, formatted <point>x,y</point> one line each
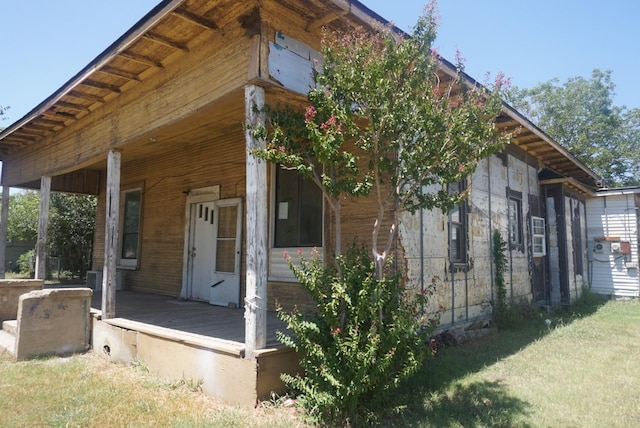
<point>21,139</point>
<point>195,19</point>
<point>157,38</point>
<point>88,97</point>
<point>34,132</point>
<point>73,106</point>
<point>120,73</point>
<point>59,115</point>
<point>141,59</point>
<point>52,123</point>
<point>56,116</point>
<point>45,129</point>
<point>313,25</point>
<point>100,85</point>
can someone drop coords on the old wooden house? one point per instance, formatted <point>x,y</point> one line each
<point>154,127</point>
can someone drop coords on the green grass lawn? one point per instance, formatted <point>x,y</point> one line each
<point>582,371</point>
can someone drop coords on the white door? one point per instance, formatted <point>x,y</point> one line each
<point>201,246</point>
<point>225,281</point>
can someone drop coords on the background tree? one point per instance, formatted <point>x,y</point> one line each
<point>380,122</point>
<point>22,223</point>
<point>70,234</point>
<point>71,226</point>
<point>580,115</point>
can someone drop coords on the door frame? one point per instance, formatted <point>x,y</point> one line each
<point>203,194</point>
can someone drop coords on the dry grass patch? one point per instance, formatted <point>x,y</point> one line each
<point>88,390</point>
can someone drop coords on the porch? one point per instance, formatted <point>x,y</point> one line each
<point>192,341</point>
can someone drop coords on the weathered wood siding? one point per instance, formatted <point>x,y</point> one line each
<point>465,292</point>
<point>164,179</point>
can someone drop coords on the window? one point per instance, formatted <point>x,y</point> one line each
<point>130,228</point>
<point>539,243</point>
<point>515,221</point>
<point>298,211</point>
<point>458,228</point>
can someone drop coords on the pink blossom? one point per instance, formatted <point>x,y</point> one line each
<point>330,122</point>
<point>281,148</point>
<point>310,114</point>
<point>299,251</point>
<point>285,255</point>
<point>460,168</point>
<point>335,331</point>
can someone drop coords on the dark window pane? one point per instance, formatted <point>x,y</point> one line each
<point>131,225</point>
<point>298,211</point>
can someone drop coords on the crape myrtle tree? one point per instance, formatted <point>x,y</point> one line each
<point>381,122</point>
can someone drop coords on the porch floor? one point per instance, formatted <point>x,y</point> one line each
<point>188,316</point>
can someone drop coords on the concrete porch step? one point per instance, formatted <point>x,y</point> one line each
<point>7,343</point>
<point>10,326</point>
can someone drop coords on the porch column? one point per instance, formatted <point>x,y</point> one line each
<point>4,217</point>
<point>111,235</point>
<point>43,222</point>
<point>256,276</point>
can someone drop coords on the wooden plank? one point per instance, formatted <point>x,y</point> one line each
<point>4,216</point>
<point>111,235</point>
<point>43,222</point>
<point>256,226</point>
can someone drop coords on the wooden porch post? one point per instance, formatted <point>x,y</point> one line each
<point>4,217</point>
<point>111,235</point>
<point>256,277</point>
<point>43,222</point>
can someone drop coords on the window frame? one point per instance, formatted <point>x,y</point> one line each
<point>130,263</point>
<point>278,267</point>
<point>515,222</point>
<point>460,226</point>
<point>538,236</point>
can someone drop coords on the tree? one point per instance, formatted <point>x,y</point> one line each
<point>71,225</point>
<point>70,234</point>
<point>380,122</point>
<point>22,223</point>
<point>580,115</point>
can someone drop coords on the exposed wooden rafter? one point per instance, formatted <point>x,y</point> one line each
<point>120,73</point>
<point>52,123</point>
<point>100,85</point>
<point>325,20</point>
<point>88,97</point>
<point>157,38</point>
<point>141,59</point>
<point>195,19</point>
<point>73,106</point>
<point>61,115</point>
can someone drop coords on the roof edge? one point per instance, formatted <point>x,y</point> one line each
<point>122,43</point>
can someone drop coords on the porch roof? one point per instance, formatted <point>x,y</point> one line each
<point>165,35</point>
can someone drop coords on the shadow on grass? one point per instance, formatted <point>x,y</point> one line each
<point>436,395</point>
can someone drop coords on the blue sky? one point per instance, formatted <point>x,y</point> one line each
<point>44,43</point>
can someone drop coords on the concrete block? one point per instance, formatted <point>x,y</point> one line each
<point>53,321</point>
<point>10,292</point>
